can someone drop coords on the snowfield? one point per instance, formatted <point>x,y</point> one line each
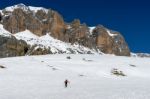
<point>90,76</point>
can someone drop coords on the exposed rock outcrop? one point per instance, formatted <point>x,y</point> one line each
<point>36,50</point>
<point>10,47</point>
<point>110,42</point>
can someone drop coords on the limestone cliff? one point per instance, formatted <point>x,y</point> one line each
<point>41,21</point>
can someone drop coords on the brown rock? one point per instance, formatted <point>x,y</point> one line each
<point>39,23</point>
<point>37,50</point>
<point>57,26</point>
<point>10,46</point>
<point>76,23</point>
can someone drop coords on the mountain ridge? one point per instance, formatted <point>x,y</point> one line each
<point>41,21</point>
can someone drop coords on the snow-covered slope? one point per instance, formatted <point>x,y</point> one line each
<point>26,34</point>
<point>4,32</point>
<point>42,77</point>
<point>47,41</point>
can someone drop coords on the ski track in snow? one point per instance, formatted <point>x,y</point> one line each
<point>41,77</point>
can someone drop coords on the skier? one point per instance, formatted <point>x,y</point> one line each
<point>66,83</point>
<point>0,16</point>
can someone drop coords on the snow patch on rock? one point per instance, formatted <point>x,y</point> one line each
<point>21,6</point>
<point>110,34</point>
<point>4,32</point>
<point>35,9</point>
<point>91,29</point>
<point>25,8</point>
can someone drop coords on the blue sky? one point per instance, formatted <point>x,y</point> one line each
<point>130,17</point>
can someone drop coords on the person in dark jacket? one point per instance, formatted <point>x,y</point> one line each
<point>0,16</point>
<point>66,83</point>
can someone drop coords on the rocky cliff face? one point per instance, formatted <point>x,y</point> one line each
<point>41,21</point>
<point>110,41</point>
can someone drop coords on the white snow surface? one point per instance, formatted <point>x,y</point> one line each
<point>26,34</point>
<point>12,8</point>
<point>26,8</point>
<point>35,9</point>
<point>4,32</point>
<point>1,12</point>
<point>110,34</point>
<point>42,77</point>
<point>47,41</point>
